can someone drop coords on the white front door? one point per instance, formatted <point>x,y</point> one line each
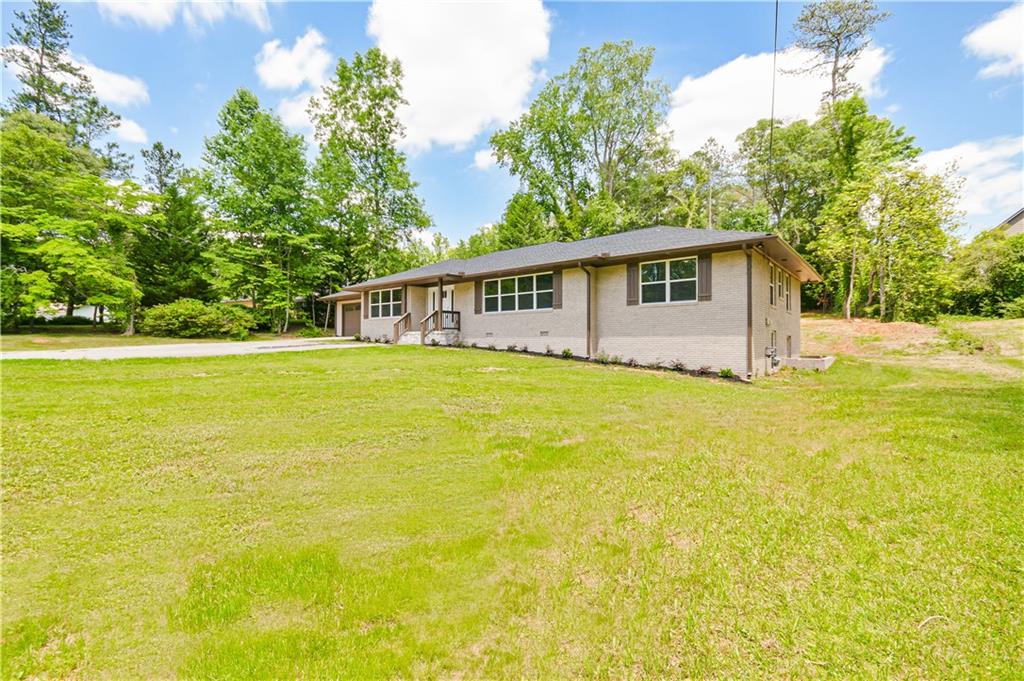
<point>448,293</point>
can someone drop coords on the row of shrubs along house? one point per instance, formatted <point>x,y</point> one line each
<point>711,299</point>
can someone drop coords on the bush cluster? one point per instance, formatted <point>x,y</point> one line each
<point>190,318</point>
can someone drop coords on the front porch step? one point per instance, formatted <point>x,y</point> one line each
<point>448,337</point>
<point>409,338</point>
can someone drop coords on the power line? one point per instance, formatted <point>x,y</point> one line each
<point>771,119</point>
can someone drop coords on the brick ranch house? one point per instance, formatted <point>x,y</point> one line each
<point>704,298</point>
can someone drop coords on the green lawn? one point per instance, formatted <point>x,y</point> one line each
<point>434,512</point>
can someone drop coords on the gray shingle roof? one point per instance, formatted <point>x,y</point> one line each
<point>623,244</point>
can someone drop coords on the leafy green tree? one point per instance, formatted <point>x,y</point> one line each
<point>837,31</point>
<point>988,274</point>
<point>588,138</point>
<point>790,176</point>
<point>162,166</point>
<point>364,203</point>
<point>256,183</point>
<point>66,232</point>
<point>170,253</point>
<point>524,223</point>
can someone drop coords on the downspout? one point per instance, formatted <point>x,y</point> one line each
<point>750,314</point>
<point>591,313</point>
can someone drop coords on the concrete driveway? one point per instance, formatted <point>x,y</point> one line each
<point>189,349</point>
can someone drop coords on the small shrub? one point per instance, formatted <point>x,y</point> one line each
<point>631,362</point>
<point>492,346</point>
<point>357,338</point>
<point>511,347</point>
<point>434,342</point>
<point>1013,309</point>
<point>473,345</point>
<point>312,332</point>
<point>524,349</point>
<point>548,351</point>
<point>567,353</point>
<point>190,318</point>
<point>962,341</point>
<point>726,373</point>
<point>615,359</point>
<point>704,370</point>
<point>676,365</point>
<point>459,344</point>
<point>601,357</point>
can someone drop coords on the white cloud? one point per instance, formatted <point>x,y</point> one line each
<point>111,88</point>
<point>466,66</point>
<point>281,68</point>
<point>729,99</point>
<point>130,131</point>
<point>1001,42</point>
<point>484,159</point>
<point>197,14</point>
<point>992,172</point>
<point>292,111</point>
<point>114,88</point>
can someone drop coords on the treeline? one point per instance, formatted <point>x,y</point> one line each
<point>257,221</point>
<point>260,221</point>
<point>592,157</point>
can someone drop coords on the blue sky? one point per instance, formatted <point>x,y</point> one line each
<point>950,72</point>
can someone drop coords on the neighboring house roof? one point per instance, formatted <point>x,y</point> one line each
<point>602,250</point>
<point>343,294</point>
<point>1014,224</point>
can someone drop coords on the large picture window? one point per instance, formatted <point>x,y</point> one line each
<point>668,281</point>
<point>387,303</point>
<point>517,294</point>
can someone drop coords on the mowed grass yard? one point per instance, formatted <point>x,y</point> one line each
<point>437,512</point>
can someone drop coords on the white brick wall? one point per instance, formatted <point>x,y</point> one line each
<point>537,330</point>
<point>704,333</point>
<point>768,318</point>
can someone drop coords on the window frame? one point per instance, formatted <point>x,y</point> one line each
<point>516,294</point>
<point>789,296</point>
<point>668,281</point>
<point>379,305</point>
<point>771,284</point>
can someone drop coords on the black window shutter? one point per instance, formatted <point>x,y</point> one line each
<point>478,297</point>
<point>704,276</point>
<point>366,305</point>
<point>405,299</point>
<point>632,284</point>
<point>556,293</point>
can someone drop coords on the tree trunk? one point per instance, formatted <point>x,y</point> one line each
<point>129,329</point>
<point>881,290</point>
<point>95,309</point>
<point>69,311</point>
<point>849,291</point>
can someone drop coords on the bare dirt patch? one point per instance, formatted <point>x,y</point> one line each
<point>1001,342</point>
